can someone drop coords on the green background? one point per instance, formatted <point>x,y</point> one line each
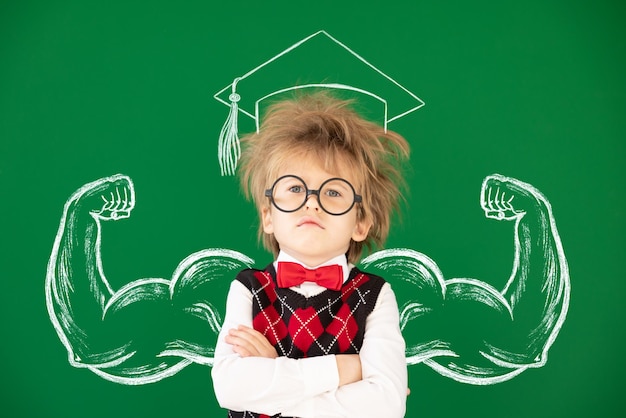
<point>533,90</point>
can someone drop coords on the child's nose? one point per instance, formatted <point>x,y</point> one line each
<point>312,202</point>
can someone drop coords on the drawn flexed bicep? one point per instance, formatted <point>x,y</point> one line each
<point>151,328</point>
<point>148,329</point>
<point>76,288</point>
<point>445,323</point>
<point>466,329</point>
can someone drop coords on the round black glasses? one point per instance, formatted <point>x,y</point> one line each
<point>335,196</point>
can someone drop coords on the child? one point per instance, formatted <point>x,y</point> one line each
<point>311,335</point>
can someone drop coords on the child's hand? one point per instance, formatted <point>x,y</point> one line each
<point>349,368</point>
<point>248,342</point>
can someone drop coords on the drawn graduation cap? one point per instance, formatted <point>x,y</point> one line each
<point>318,61</point>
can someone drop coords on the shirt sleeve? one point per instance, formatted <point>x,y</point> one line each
<point>263,385</point>
<point>382,391</point>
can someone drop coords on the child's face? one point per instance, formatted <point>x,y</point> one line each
<point>310,234</point>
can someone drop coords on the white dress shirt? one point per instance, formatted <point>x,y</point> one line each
<point>308,387</point>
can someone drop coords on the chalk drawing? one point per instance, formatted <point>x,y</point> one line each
<point>130,335</point>
<point>514,327</point>
<point>152,328</point>
<point>229,149</point>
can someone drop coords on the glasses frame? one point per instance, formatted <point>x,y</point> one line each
<point>270,194</point>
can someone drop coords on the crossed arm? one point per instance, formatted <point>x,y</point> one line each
<point>373,383</point>
<point>248,342</point>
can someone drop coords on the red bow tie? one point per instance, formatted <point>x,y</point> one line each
<point>293,274</point>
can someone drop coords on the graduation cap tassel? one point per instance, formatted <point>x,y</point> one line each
<point>229,148</point>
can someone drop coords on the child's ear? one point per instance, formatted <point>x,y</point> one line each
<point>266,219</point>
<point>361,229</point>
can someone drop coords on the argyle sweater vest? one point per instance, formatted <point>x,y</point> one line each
<point>332,322</point>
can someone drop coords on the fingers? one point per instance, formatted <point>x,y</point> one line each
<point>117,201</point>
<point>498,200</point>
<point>248,342</point>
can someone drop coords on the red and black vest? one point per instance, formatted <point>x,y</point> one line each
<point>331,322</point>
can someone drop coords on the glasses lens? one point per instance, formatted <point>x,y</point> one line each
<point>336,196</point>
<point>289,193</point>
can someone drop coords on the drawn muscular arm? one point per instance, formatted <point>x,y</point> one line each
<point>77,292</point>
<point>151,328</point>
<point>465,328</point>
<point>537,292</point>
<point>148,329</point>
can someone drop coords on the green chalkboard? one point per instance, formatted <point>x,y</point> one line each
<point>532,91</point>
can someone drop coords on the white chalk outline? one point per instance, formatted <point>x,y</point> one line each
<point>229,149</point>
<point>255,117</point>
<point>498,207</point>
<point>116,206</point>
<point>417,268</point>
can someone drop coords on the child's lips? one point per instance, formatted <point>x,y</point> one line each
<point>309,221</point>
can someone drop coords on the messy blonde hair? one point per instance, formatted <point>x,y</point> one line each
<point>324,127</point>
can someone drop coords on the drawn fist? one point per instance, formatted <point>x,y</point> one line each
<point>109,198</point>
<point>504,198</point>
